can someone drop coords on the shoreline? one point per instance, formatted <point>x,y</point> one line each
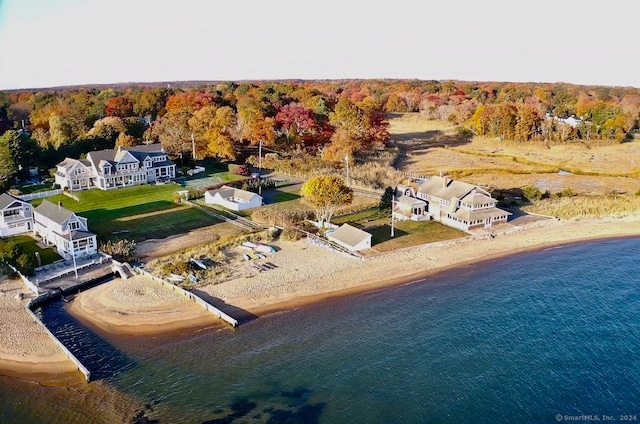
<point>305,274</point>
<point>279,307</point>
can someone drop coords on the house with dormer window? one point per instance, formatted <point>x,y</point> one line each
<point>16,216</point>
<point>114,168</point>
<point>62,228</point>
<point>454,203</point>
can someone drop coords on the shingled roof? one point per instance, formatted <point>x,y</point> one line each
<point>54,212</point>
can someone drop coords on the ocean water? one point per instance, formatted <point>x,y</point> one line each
<point>546,336</point>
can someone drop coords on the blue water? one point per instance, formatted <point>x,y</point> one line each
<point>525,339</point>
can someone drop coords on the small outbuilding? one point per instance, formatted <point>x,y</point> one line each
<point>351,238</point>
<point>233,198</point>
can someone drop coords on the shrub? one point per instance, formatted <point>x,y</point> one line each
<point>290,234</point>
<point>240,169</point>
<point>120,250</point>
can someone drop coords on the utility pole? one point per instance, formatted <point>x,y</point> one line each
<point>392,207</point>
<point>346,158</point>
<point>260,167</point>
<point>193,145</point>
<point>72,249</point>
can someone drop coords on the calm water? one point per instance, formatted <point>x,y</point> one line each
<point>527,339</point>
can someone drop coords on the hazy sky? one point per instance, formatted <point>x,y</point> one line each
<point>47,43</point>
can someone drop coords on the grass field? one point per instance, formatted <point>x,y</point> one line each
<point>137,213</point>
<point>30,247</point>
<point>406,233</point>
<point>601,167</point>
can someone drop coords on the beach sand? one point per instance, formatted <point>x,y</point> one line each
<point>139,306</point>
<point>26,350</point>
<point>304,273</point>
<point>307,273</point>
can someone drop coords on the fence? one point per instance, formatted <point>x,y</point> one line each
<point>39,194</point>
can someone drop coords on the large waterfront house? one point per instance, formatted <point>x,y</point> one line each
<point>65,230</point>
<point>17,216</point>
<point>454,203</point>
<point>351,238</point>
<point>114,168</point>
<point>233,198</point>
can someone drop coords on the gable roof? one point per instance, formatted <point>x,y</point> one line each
<point>226,192</point>
<point>408,201</point>
<point>476,199</point>
<point>445,188</point>
<point>56,213</point>
<point>348,235</point>
<point>7,200</point>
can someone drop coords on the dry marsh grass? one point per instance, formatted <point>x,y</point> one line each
<point>595,206</point>
<point>600,167</point>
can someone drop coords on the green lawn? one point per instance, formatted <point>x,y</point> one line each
<point>406,233</point>
<point>30,247</point>
<point>138,213</point>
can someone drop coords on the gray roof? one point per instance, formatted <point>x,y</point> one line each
<point>445,188</point>
<point>80,235</point>
<point>6,200</point>
<point>226,191</point>
<point>479,199</point>
<point>409,201</point>
<point>56,213</point>
<point>348,235</point>
<point>140,153</point>
<point>469,215</point>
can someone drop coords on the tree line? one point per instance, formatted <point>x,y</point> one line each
<point>329,119</point>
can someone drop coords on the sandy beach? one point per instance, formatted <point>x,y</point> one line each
<point>139,306</point>
<point>26,350</point>
<point>308,273</point>
<point>304,273</point>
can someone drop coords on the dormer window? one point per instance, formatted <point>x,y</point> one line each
<point>74,225</point>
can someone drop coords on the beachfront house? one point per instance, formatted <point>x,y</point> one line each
<point>114,168</point>
<point>454,203</point>
<point>351,238</point>
<point>233,198</point>
<point>68,232</point>
<point>16,217</point>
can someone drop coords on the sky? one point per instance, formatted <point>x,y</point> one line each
<point>46,43</point>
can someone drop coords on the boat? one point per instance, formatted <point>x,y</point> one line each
<point>264,248</point>
<point>249,244</point>
<point>199,263</point>
<point>175,277</point>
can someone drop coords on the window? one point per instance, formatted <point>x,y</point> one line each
<point>74,225</point>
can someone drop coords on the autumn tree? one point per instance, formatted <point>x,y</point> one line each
<point>326,193</point>
<point>118,106</point>
<point>8,166</point>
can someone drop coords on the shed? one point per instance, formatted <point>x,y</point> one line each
<point>233,198</point>
<point>351,238</point>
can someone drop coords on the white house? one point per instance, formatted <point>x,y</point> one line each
<point>121,167</point>
<point>16,217</point>
<point>233,198</point>
<point>64,229</point>
<point>351,238</point>
<point>454,203</point>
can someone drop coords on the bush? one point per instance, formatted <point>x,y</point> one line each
<point>120,250</point>
<point>240,169</point>
<point>290,234</point>
<point>255,184</point>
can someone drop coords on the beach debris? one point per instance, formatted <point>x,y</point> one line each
<point>193,278</point>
